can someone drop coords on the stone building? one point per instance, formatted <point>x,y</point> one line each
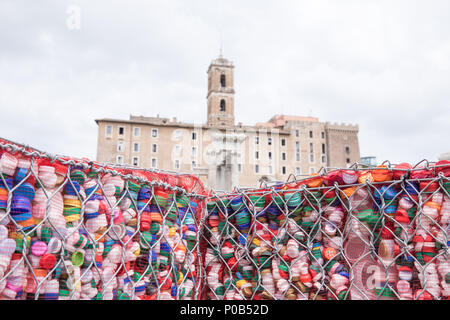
<point>224,154</point>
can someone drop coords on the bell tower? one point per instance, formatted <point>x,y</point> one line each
<point>220,93</point>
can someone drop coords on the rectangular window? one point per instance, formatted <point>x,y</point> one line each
<point>154,133</point>
<point>256,140</point>
<point>298,171</point>
<point>270,155</point>
<point>270,169</point>
<point>136,147</point>
<point>137,131</point>
<point>177,134</point>
<point>121,130</point>
<point>311,157</point>
<point>194,164</point>
<point>323,148</point>
<point>194,151</point>
<point>154,163</point>
<point>283,156</point>
<point>324,158</point>
<point>256,168</point>
<point>120,146</point>
<point>283,142</point>
<point>194,135</point>
<point>297,133</point>
<point>269,141</point>
<point>177,164</point>
<point>177,150</point>
<point>310,134</point>
<point>297,156</point>
<point>297,146</point>
<point>135,161</point>
<point>154,148</point>
<point>283,170</point>
<point>347,150</point>
<point>256,155</point>
<point>119,159</point>
<point>311,170</point>
<point>109,130</point>
<point>323,135</point>
<point>311,147</point>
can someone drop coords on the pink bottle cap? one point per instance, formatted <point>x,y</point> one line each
<point>403,286</point>
<point>39,248</point>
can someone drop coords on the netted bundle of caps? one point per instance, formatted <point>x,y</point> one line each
<point>229,270</point>
<point>387,210</point>
<point>325,237</point>
<point>167,232</point>
<point>392,220</point>
<point>75,232</point>
<point>277,251</point>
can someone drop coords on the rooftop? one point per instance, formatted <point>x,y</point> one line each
<point>280,120</point>
<point>277,122</point>
<point>158,121</point>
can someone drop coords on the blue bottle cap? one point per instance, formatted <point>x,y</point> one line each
<point>25,190</point>
<point>20,204</point>
<point>21,216</point>
<point>72,190</point>
<point>243,239</point>
<point>173,291</point>
<point>91,215</point>
<point>20,174</point>
<point>9,183</point>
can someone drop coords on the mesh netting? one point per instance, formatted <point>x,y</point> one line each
<point>346,234</point>
<point>76,229</point>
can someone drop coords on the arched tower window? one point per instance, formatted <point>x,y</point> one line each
<point>222,105</point>
<point>223,82</point>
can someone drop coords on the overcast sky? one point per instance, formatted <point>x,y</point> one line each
<point>384,65</point>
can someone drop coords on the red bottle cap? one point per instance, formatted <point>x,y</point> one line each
<point>397,174</point>
<point>146,220</point>
<point>444,167</point>
<point>401,216</point>
<point>47,261</point>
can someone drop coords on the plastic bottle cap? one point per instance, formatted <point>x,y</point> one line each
<point>40,272</point>
<point>47,261</point>
<point>39,248</point>
<point>117,231</point>
<point>7,246</point>
<point>329,253</point>
<point>77,258</point>
<point>54,245</point>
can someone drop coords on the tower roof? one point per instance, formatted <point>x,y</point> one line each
<point>221,62</point>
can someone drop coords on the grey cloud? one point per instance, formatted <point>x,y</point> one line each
<point>384,65</point>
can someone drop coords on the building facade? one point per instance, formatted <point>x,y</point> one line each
<point>224,154</point>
